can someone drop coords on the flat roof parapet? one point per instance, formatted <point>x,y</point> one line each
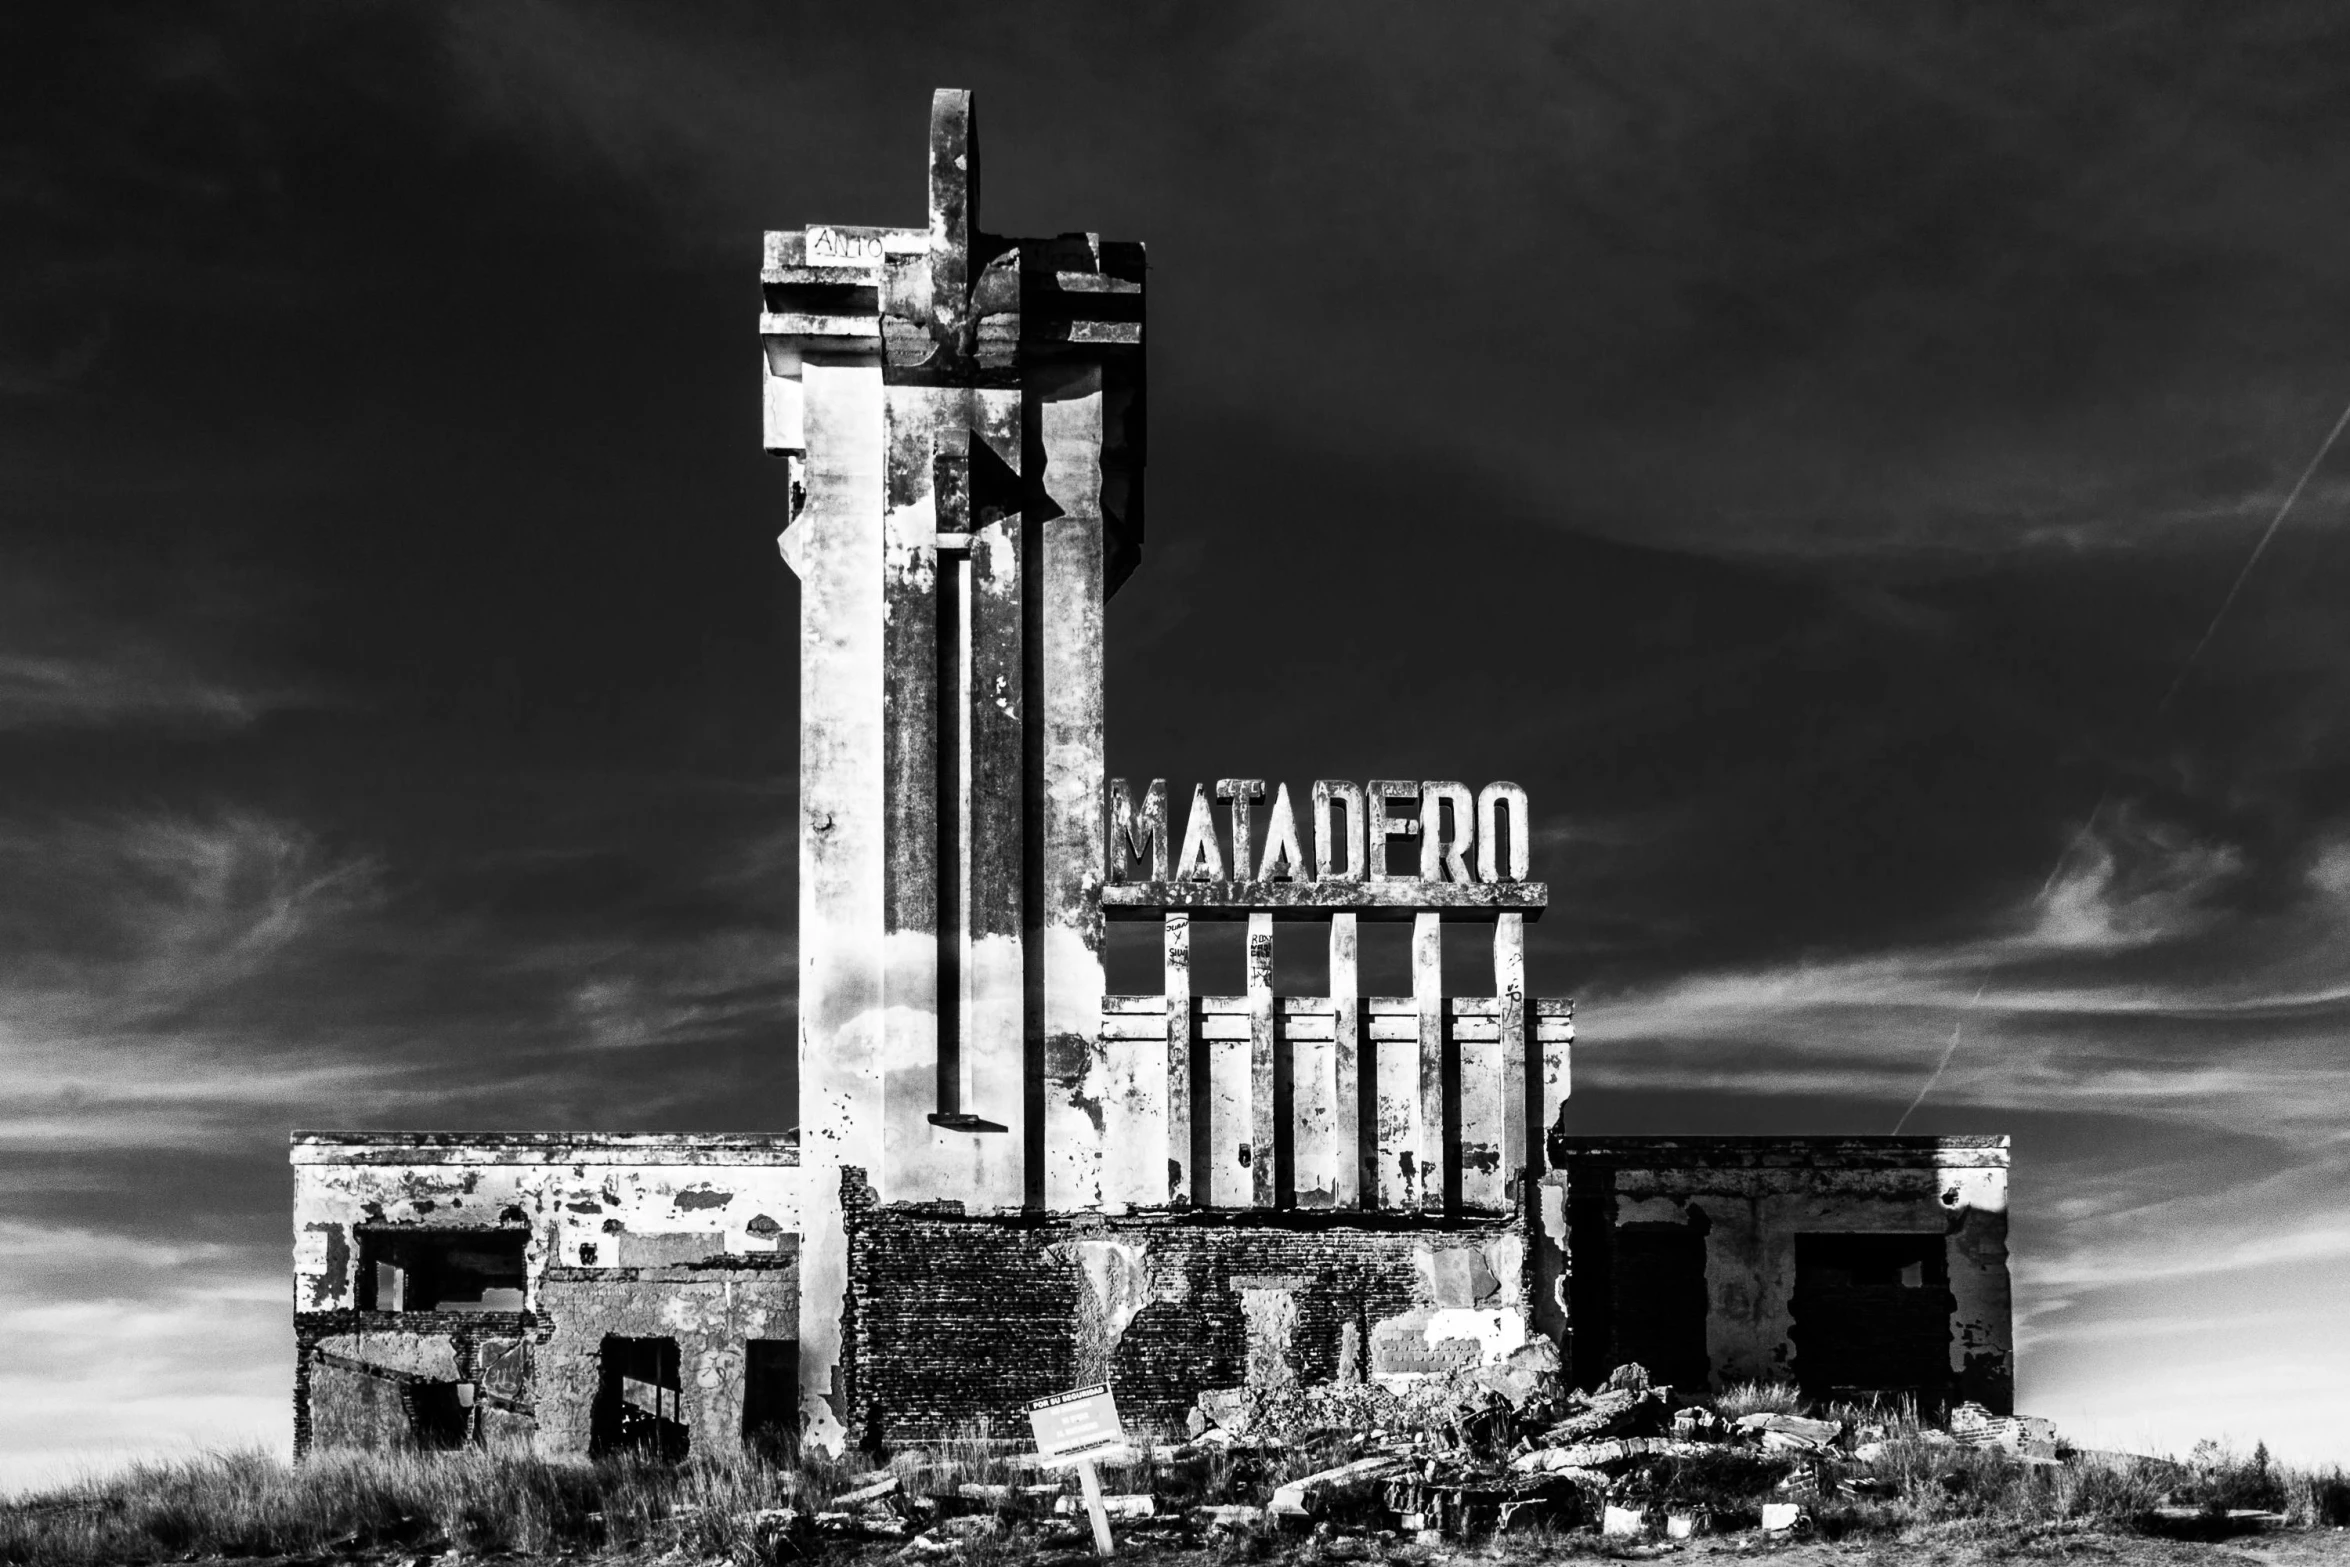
<point>1975,1151</point>
<point>687,1148</point>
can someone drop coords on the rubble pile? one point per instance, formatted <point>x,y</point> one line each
<point>1502,1447</point>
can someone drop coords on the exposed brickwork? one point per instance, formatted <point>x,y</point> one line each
<point>536,1372</point>
<point>952,1317</point>
<point>464,1332</point>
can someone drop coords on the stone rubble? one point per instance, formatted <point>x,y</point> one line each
<point>1499,1448</point>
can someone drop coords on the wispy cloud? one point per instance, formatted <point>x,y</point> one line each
<point>72,658</point>
<point>2058,995</point>
<point>125,686</point>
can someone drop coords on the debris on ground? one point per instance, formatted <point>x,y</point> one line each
<point>1494,1449</point>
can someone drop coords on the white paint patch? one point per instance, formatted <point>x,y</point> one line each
<point>1507,1258</point>
<point>1496,1333</point>
<point>1984,1190</point>
<point>1116,1273</point>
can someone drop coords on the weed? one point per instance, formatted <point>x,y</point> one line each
<point>245,1503</point>
<point>1758,1398</point>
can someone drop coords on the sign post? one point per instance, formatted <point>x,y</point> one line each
<point>1072,1427</point>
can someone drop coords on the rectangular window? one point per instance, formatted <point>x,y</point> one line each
<point>441,1270</point>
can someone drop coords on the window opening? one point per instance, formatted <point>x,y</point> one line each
<point>441,1270</point>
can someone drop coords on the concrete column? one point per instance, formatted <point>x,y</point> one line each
<point>995,979</point>
<point>1351,1182</point>
<point>1479,1090</point>
<point>918,1079</point>
<point>841,837</point>
<point>1186,1181</point>
<point>1224,1040</point>
<point>1428,1193</point>
<point>1392,1048</point>
<point>1520,1095</point>
<point>1263,1103</point>
<point>1076,1091</point>
<point>1553,1027</point>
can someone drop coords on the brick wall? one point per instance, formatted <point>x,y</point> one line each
<point>425,1345</point>
<point>953,1316</point>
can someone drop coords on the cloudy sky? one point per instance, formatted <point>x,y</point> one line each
<point>1805,444</point>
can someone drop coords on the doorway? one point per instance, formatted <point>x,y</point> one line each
<point>639,1405</point>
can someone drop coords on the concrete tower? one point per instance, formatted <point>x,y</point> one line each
<point>962,418</point>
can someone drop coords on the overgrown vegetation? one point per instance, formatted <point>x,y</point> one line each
<point>244,1504</point>
<point>1758,1398</point>
<point>247,1503</point>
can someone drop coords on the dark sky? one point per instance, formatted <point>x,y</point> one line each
<point>1802,443</point>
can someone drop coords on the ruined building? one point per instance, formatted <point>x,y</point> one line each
<point>1007,1181</point>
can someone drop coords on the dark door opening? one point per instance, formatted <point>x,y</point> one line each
<point>438,1418</point>
<point>771,1395</point>
<point>1872,1317</point>
<point>639,1401</point>
<point>1659,1306</point>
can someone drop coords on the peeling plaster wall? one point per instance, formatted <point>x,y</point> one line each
<point>657,1197</point>
<point>953,1317</point>
<point>694,1238</point>
<point>1750,1197</point>
<point>355,1374</point>
<point>710,1312</point>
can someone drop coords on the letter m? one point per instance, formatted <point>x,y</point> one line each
<point>1144,840</point>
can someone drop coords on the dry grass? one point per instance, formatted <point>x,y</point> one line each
<point>1758,1398</point>
<point>352,1504</point>
<point>254,1504</point>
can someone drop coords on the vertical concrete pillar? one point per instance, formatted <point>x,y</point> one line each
<point>1135,1123</point>
<point>1478,1091</point>
<point>1224,1038</point>
<point>1304,1043</point>
<point>1391,1048</point>
<point>994,1011</point>
<point>1520,1095</point>
<point>917,1077</point>
<point>1068,402</point>
<point>1351,1178</point>
<point>1186,1180</point>
<point>1430,1171</point>
<point>1264,1116</point>
<point>1553,1027</point>
<point>841,837</point>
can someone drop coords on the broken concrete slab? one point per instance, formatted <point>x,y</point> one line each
<point>1316,1493</point>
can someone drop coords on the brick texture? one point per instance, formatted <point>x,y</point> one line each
<point>955,1317</point>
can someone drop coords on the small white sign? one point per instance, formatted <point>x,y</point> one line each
<point>831,247</point>
<point>1076,1423</point>
<point>1072,1427</point>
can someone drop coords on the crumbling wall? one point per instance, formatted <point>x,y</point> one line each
<point>956,1316</point>
<point>710,1310</point>
<point>691,1238</point>
<point>392,1382</point>
<point>1748,1200</point>
<point>584,1200</point>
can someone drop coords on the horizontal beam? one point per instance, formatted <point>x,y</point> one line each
<point>1471,902</point>
<point>1471,1018</point>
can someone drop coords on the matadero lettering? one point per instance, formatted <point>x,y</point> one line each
<point>1464,837</point>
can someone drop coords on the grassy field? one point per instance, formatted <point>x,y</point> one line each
<point>1916,1501</point>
